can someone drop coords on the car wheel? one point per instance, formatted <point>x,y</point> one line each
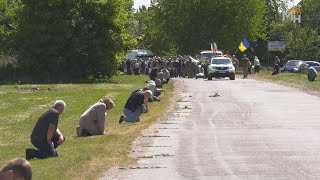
<point>232,77</point>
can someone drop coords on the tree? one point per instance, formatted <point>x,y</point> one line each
<point>190,26</point>
<point>73,38</point>
<point>8,25</point>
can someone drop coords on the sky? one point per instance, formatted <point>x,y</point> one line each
<point>138,3</point>
<point>295,2</point>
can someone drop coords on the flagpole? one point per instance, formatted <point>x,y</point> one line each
<point>236,52</point>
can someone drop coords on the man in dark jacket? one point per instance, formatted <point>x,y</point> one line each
<point>45,135</point>
<point>136,104</point>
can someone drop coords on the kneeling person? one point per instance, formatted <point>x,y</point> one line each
<point>45,135</point>
<point>312,73</point>
<point>136,104</point>
<point>92,120</point>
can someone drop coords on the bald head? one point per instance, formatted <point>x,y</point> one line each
<point>16,169</point>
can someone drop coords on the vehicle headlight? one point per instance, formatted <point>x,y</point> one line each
<point>231,68</point>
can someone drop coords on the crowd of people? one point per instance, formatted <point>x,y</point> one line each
<point>171,66</point>
<point>182,66</point>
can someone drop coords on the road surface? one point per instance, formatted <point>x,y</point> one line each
<point>253,130</point>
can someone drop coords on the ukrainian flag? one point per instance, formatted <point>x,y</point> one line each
<point>244,45</point>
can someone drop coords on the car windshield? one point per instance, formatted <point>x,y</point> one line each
<point>294,63</point>
<point>210,55</point>
<point>220,61</point>
<point>206,55</point>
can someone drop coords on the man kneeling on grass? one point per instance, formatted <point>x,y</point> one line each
<point>92,120</point>
<point>45,135</point>
<point>136,104</point>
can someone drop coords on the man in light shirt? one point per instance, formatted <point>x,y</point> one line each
<point>92,121</point>
<point>256,64</point>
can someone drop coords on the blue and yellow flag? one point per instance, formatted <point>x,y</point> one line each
<point>244,45</point>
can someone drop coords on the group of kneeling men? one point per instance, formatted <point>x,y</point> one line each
<point>46,136</point>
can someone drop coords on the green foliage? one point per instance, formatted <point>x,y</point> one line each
<point>302,39</point>
<point>65,39</point>
<point>8,25</point>
<point>189,26</point>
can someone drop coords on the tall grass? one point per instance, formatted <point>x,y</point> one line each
<point>79,158</point>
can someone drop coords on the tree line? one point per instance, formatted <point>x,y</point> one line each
<point>184,26</point>
<point>83,39</point>
<point>65,39</point>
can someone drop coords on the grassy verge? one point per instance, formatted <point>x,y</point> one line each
<point>79,158</point>
<point>298,80</point>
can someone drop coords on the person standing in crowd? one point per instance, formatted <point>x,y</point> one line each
<point>143,67</point>
<point>245,64</point>
<point>153,73</point>
<point>136,105</point>
<point>256,64</point>
<point>276,61</point>
<point>136,67</point>
<point>92,121</point>
<point>45,135</point>
<point>128,66</point>
<point>312,73</point>
<point>235,62</point>
<point>16,169</point>
<point>276,66</point>
<point>205,65</point>
<point>189,69</point>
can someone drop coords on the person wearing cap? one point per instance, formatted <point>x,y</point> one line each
<point>92,121</point>
<point>16,169</point>
<point>256,64</point>
<point>136,105</point>
<point>245,64</point>
<point>235,62</point>
<point>46,135</point>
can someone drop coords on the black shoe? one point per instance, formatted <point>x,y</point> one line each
<point>30,154</point>
<point>121,119</point>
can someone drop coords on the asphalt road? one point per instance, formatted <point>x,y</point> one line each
<point>253,130</point>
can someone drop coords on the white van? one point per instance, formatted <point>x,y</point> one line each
<point>208,55</point>
<point>138,53</point>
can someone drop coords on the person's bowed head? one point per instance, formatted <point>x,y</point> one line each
<point>16,169</point>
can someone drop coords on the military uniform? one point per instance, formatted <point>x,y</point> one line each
<point>245,63</point>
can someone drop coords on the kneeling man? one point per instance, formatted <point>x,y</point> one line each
<point>136,104</point>
<point>45,135</point>
<point>92,120</point>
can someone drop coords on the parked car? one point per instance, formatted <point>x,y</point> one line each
<point>221,67</point>
<point>314,64</point>
<point>294,66</point>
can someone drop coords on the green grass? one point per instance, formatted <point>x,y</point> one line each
<point>79,158</point>
<point>298,80</point>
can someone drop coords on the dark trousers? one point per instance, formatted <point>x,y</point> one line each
<point>45,150</point>
<point>256,69</point>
